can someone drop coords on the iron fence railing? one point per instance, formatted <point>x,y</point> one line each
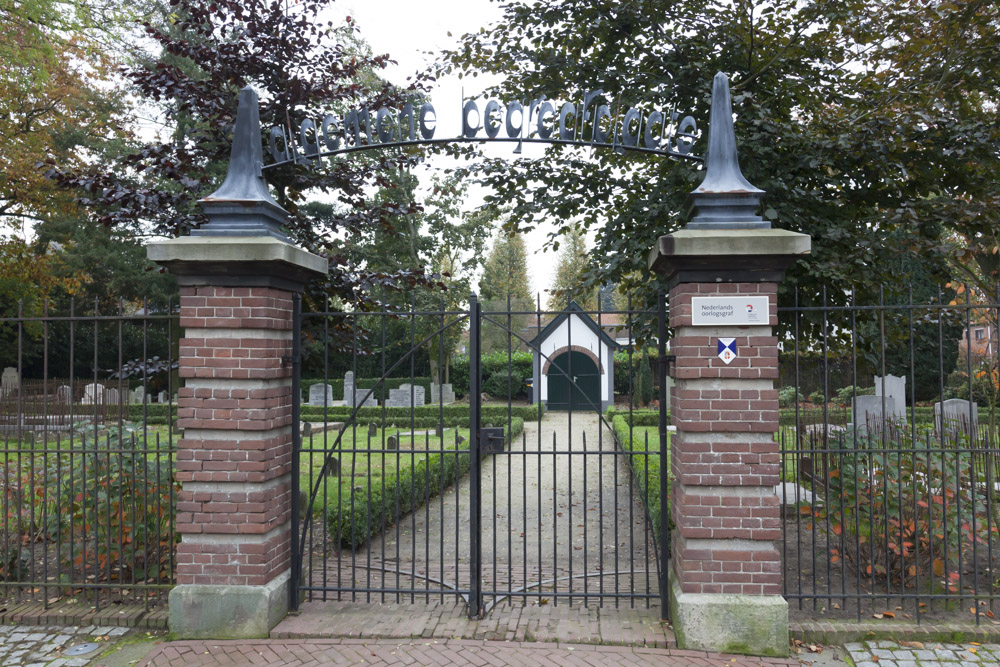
<point>87,443</point>
<point>891,461</point>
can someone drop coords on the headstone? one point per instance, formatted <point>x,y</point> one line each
<point>407,395</point>
<point>868,416</point>
<point>137,395</point>
<point>93,393</point>
<point>321,395</point>
<point>305,429</point>
<point>149,398</point>
<point>459,439</point>
<point>439,432</point>
<point>352,395</point>
<point>10,381</point>
<point>64,394</point>
<point>372,430</point>
<point>392,442</point>
<point>957,413</point>
<point>332,467</point>
<point>894,388</point>
<point>111,396</point>
<point>162,397</point>
<point>442,394</point>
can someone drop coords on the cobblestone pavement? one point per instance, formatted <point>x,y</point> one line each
<point>440,653</point>
<point>922,654</point>
<point>37,646</point>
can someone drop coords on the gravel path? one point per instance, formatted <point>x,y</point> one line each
<point>549,517</point>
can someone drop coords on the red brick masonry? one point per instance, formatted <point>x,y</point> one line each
<point>724,456</point>
<point>234,460</point>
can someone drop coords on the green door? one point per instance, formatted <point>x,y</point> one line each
<point>565,394</point>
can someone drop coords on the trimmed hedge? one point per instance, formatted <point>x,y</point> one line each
<point>639,417</point>
<point>426,416</point>
<point>371,509</point>
<point>810,414</point>
<point>645,468</point>
<point>519,363</point>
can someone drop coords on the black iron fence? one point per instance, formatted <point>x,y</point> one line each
<point>890,458</point>
<point>463,483</point>
<point>87,455</point>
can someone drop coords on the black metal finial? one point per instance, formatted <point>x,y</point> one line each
<point>243,206</point>
<point>725,199</point>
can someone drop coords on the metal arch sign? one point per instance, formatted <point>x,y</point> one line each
<point>587,123</point>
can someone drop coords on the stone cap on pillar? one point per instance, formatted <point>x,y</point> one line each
<point>724,239</point>
<point>710,256</point>
<point>250,261</point>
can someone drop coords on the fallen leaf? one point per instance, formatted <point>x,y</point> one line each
<point>835,605</point>
<point>815,648</point>
<point>972,610</point>
<point>989,613</point>
<point>876,615</point>
<point>889,614</point>
<point>918,645</point>
<point>973,650</point>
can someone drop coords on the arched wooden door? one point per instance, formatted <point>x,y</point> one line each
<point>574,383</point>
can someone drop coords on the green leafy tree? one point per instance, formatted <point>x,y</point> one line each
<point>573,280</point>
<point>858,118</point>
<point>643,386</point>
<point>506,288</point>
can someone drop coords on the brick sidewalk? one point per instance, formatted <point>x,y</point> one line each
<point>440,653</point>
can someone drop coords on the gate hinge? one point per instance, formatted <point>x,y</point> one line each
<point>670,361</point>
<point>287,359</point>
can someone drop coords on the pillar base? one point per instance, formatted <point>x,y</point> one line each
<point>202,611</point>
<point>728,623</point>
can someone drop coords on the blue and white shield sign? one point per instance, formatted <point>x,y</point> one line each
<point>727,350</point>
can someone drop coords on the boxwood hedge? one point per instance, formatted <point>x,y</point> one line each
<point>372,508</point>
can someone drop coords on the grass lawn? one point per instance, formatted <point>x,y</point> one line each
<point>642,443</point>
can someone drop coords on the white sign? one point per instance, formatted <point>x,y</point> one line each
<point>727,310</point>
<point>727,350</point>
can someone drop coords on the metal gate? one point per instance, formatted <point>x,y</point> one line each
<point>404,492</point>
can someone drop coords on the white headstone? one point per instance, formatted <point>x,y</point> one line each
<point>868,415</point>
<point>93,393</point>
<point>442,394</point>
<point>959,415</point>
<point>894,388</point>
<point>162,397</point>
<point>10,381</point>
<point>321,395</point>
<point>64,394</point>
<point>111,396</point>
<point>353,395</point>
<point>407,395</point>
<point>137,395</point>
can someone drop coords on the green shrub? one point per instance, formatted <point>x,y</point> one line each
<point>902,512</point>
<point>370,508</point>
<point>492,363</point>
<point>504,384</point>
<point>817,398</point>
<point>644,381</point>
<point>639,417</point>
<point>846,394</point>
<point>789,395</point>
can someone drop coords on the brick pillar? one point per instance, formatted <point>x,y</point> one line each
<point>235,411</point>
<point>724,456</point>
<point>725,571</point>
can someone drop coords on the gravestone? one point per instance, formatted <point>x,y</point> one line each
<point>372,430</point>
<point>10,381</point>
<point>162,397</point>
<point>406,396</point>
<point>111,396</point>
<point>64,394</point>
<point>894,388</point>
<point>392,442</point>
<point>93,393</point>
<point>439,432</point>
<point>957,413</point>
<point>867,414</point>
<point>137,395</point>
<point>442,394</point>
<point>321,395</point>
<point>305,429</point>
<point>352,395</point>
<point>149,398</point>
<point>333,467</point>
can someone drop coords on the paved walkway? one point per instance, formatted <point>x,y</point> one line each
<point>440,653</point>
<point>32,645</point>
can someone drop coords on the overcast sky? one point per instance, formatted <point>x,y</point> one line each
<point>407,30</point>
